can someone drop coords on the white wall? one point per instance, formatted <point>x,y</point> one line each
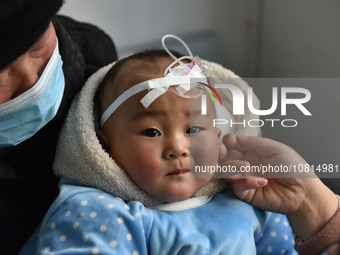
<point>268,38</point>
<point>132,22</point>
<point>301,38</point>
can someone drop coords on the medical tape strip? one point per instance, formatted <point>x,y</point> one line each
<point>157,86</point>
<point>180,75</point>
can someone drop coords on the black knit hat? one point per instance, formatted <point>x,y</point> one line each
<point>22,22</point>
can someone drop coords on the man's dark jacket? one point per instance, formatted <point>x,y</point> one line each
<point>27,183</point>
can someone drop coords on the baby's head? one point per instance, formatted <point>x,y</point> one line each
<point>152,145</point>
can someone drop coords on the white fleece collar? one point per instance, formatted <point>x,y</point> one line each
<point>80,156</point>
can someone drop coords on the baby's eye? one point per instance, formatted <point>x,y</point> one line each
<point>193,130</point>
<point>151,132</point>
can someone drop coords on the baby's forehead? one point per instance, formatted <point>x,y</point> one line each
<point>173,104</point>
<point>135,71</point>
<point>143,83</point>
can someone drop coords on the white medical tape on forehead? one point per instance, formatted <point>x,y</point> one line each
<point>179,75</point>
<point>156,86</point>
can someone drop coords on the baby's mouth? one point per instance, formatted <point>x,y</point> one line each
<point>179,172</point>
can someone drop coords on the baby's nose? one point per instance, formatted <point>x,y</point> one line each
<point>177,146</point>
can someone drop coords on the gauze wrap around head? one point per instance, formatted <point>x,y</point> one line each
<point>80,156</point>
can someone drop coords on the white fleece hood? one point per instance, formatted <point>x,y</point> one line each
<point>80,156</point>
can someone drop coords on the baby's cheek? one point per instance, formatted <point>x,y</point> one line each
<point>143,167</point>
<point>147,160</point>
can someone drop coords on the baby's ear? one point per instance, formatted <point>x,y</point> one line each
<point>104,141</point>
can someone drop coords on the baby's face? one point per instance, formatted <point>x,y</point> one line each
<point>153,145</point>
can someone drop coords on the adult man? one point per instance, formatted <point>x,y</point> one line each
<point>34,44</point>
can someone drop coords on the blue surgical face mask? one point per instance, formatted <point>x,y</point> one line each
<point>23,116</point>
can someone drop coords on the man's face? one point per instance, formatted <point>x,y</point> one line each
<point>25,71</point>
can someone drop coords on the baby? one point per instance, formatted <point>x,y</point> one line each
<point>153,144</point>
<point>127,186</point>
